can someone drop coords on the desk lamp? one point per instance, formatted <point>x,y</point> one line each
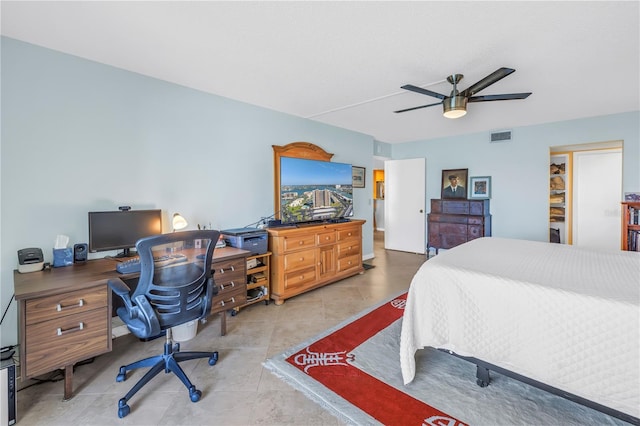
<point>178,222</point>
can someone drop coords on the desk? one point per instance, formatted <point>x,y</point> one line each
<point>64,314</point>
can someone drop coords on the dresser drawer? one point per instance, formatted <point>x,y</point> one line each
<point>56,306</point>
<point>349,262</point>
<point>348,248</point>
<point>295,242</point>
<point>229,299</point>
<point>299,260</point>
<point>301,278</point>
<point>349,234</point>
<point>328,237</point>
<point>66,340</point>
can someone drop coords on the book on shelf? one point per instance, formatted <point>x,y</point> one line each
<point>633,240</point>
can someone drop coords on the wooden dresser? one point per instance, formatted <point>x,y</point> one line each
<point>308,257</point>
<point>453,222</point>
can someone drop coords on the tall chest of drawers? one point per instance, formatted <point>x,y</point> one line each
<point>311,256</point>
<point>453,222</point>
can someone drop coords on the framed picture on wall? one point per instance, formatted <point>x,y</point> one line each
<point>358,176</point>
<point>480,187</point>
<point>454,183</point>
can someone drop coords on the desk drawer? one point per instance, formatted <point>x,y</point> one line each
<point>56,306</point>
<point>235,296</point>
<point>229,273</point>
<point>300,259</point>
<point>66,340</point>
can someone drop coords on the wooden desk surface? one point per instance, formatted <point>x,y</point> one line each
<point>82,275</point>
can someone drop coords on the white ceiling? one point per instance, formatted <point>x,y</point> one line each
<point>343,63</point>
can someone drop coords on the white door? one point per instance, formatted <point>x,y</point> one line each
<point>404,205</point>
<point>597,191</point>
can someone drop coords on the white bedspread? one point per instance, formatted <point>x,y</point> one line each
<point>561,315</point>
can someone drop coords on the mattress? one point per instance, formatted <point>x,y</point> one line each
<point>558,314</point>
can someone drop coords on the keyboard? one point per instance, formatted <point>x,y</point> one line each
<point>132,266</point>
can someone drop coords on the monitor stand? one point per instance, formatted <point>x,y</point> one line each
<point>126,253</point>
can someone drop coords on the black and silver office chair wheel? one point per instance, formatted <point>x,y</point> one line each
<point>213,358</point>
<point>123,408</point>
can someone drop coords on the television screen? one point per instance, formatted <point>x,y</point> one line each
<point>312,190</point>
<point>120,230</point>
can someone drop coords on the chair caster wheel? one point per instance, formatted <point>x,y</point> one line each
<point>123,408</point>
<point>213,358</point>
<point>482,383</point>
<point>122,375</point>
<point>234,312</point>
<point>194,394</point>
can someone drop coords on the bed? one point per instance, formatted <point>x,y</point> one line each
<point>564,318</point>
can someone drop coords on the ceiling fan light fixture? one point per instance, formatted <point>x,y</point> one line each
<point>455,106</point>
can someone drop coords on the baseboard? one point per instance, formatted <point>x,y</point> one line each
<point>368,256</point>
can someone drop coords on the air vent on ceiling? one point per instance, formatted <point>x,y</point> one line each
<point>501,136</point>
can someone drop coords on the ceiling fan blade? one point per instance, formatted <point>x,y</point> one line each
<point>422,91</point>
<point>505,97</point>
<point>418,107</point>
<point>494,77</point>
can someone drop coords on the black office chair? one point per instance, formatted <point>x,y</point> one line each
<point>175,286</point>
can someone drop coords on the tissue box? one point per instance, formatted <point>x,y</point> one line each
<point>62,257</point>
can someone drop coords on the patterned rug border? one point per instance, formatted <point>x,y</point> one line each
<point>318,389</point>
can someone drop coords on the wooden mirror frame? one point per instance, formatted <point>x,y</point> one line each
<point>305,150</point>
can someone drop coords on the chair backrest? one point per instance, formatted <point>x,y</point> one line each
<point>175,276</point>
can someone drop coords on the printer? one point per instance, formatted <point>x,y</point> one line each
<point>252,239</point>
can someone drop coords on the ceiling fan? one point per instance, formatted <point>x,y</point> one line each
<point>455,105</point>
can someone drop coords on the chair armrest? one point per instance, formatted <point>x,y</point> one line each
<point>121,289</point>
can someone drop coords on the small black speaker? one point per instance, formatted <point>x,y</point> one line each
<point>80,253</point>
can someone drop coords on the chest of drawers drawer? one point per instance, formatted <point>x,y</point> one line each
<point>349,234</point>
<point>328,237</point>
<point>300,259</point>
<point>229,299</point>
<point>348,248</point>
<point>349,262</point>
<point>295,242</point>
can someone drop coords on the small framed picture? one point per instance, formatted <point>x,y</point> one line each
<point>358,176</point>
<point>454,183</point>
<point>480,187</point>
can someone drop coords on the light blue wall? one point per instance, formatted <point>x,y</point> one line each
<point>519,169</point>
<point>79,136</point>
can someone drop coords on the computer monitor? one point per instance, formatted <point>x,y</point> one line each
<point>120,230</point>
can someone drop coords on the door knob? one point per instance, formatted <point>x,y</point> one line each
<point>420,210</point>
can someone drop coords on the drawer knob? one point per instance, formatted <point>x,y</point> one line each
<point>80,326</point>
<point>349,233</point>
<point>326,238</point>
<point>59,306</point>
<point>301,259</point>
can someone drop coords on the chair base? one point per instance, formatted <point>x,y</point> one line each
<point>169,362</point>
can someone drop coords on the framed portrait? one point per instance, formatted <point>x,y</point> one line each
<point>480,187</point>
<point>358,176</point>
<point>454,184</point>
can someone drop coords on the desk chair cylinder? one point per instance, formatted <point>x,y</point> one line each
<point>176,286</point>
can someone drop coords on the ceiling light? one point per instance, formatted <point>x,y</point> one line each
<point>455,106</point>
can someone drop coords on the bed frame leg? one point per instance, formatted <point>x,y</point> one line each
<point>482,376</point>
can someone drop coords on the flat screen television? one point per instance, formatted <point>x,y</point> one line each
<point>120,230</point>
<point>314,191</point>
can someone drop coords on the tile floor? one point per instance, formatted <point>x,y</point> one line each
<point>237,390</point>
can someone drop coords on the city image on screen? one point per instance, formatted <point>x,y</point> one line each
<point>312,190</point>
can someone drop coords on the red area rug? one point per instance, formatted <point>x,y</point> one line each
<point>329,361</point>
<point>353,371</point>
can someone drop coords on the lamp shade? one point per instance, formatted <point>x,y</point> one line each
<point>455,106</point>
<point>178,222</point>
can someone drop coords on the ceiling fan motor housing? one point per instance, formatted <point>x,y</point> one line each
<point>454,106</point>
